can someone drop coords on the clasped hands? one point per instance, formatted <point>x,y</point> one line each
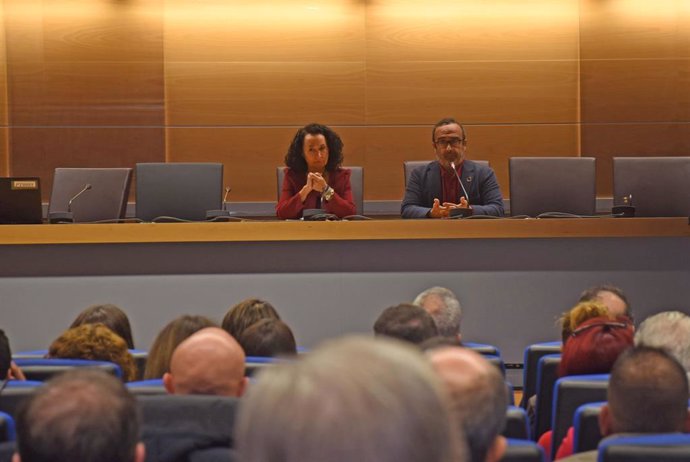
<point>315,182</point>
<point>439,210</point>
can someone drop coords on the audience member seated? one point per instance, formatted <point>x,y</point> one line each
<point>82,415</point>
<point>8,369</point>
<point>268,337</point>
<point>611,296</point>
<point>444,307</point>
<point>352,399</point>
<point>669,330</point>
<point>648,393</point>
<point>246,313</point>
<point>314,178</point>
<point>111,316</point>
<point>479,399</point>
<point>406,322</point>
<point>158,361</point>
<point>95,342</point>
<point>209,362</point>
<point>591,349</point>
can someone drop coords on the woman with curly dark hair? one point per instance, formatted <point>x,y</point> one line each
<point>313,177</point>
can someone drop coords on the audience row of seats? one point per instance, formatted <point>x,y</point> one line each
<point>537,185</point>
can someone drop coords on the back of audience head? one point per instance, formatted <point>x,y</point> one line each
<point>370,400</point>
<point>669,330</point>
<point>611,296</point>
<point>406,322</point>
<point>595,345</point>
<point>648,393</point>
<point>5,356</point>
<point>444,307</point>
<point>246,313</point>
<point>268,337</point>
<point>95,342</point>
<point>571,319</point>
<point>112,316</point>
<point>83,415</point>
<point>479,399</point>
<point>209,362</point>
<point>158,360</point>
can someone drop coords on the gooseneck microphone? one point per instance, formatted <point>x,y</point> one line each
<point>87,186</point>
<point>467,196</point>
<point>225,197</point>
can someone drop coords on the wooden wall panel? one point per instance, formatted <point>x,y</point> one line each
<point>251,154</point>
<point>605,141</point>
<point>77,65</point>
<point>471,30</point>
<point>265,31</point>
<point>476,92</point>
<point>4,147</point>
<point>38,151</point>
<point>265,93</point>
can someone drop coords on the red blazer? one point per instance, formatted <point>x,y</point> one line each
<point>341,204</point>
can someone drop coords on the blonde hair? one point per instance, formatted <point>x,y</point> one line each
<point>583,311</point>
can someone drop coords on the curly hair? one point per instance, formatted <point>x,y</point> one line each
<point>295,155</point>
<point>96,342</point>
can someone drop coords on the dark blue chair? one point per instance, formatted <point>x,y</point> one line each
<point>7,451</point>
<point>483,348</point>
<point>7,428</point>
<point>146,387</point>
<point>587,433</point>
<point>533,354</point>
<point>570,393</point>
<point>44,368</point>
<point>665,447</point>
<point>517,425</point>
<point>523,451</point>
<point>14,393</point>
<point>547,374</point>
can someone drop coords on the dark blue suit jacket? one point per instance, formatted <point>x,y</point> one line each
<point>424,185</point>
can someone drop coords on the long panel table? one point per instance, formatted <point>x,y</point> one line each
<point>513,277</point>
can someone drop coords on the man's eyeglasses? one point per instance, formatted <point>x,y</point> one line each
<point>454,142</point>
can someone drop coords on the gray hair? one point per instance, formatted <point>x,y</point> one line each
<point>669,330</point>
<point>449,314</point>
<point>364,399</point>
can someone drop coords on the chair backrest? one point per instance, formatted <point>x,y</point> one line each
<point>498,362</point>
<point>517,424</point>
<point>43,369</point>
<point>179,426</point>
<point>569,393</point>
<point>7,450</point>
<point>523,451</point>
<point>105,200</point>
<point>7,429</point>
<point>410,165</point>
<point>660,186</point>
<point>14,393</point>
<point>532,355</point>
<point>547,374</point>
<point>552,184</point>
<point>147,387</point>
<point>356,183</point>
<point>180,190</point>
<point>665,447</point>
<point>483,348</point>
<point>587,433</point>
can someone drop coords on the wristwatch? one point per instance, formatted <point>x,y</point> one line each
<point>327,193</point>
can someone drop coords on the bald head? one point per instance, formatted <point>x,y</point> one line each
<point>209,362</point>
<point>479,399</point>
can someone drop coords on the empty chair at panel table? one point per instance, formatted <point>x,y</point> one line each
<point>184,191</point>
<point>658,186</point>
<point>105,193</point>
<point>664,447</point>
<point>517,425</point>
<point>547,374</point>
<point>15,392</point>
<point>356,184</point>
<point>45,368</point>
<point>587,433</point>
<point>523,451</point>
<point>541,185</point>
<point>7,429</point>
<point>533,354</point>
<point>410,165</point>
<point>569,393</point>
